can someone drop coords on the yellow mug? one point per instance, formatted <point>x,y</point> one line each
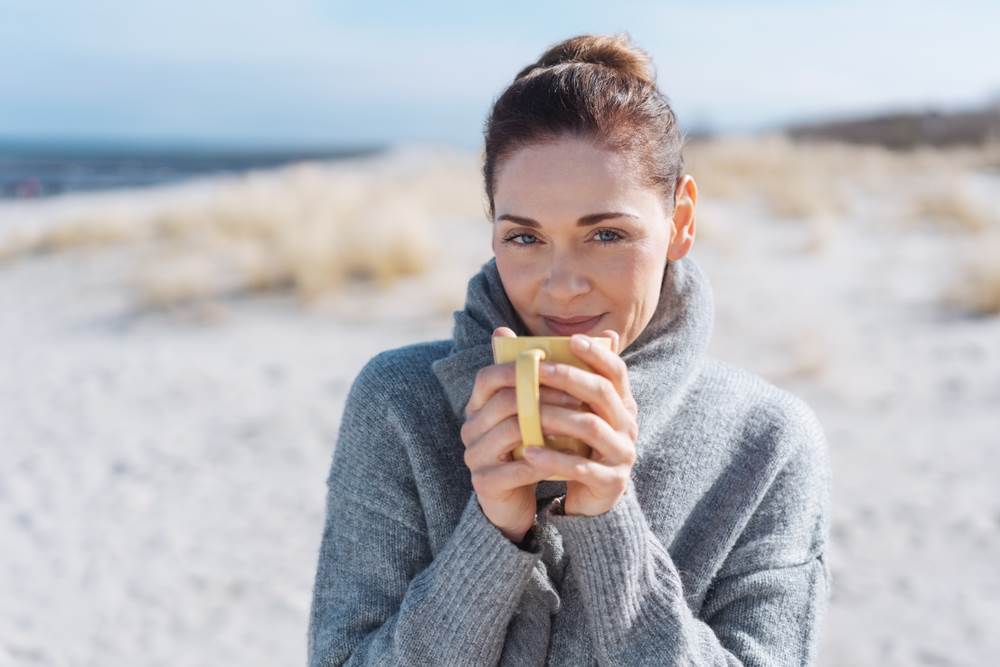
<point>526,352</point>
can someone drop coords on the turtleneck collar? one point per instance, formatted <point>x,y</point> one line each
<point>661,362</point>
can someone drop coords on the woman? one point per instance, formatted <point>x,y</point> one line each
<point>695,534</point>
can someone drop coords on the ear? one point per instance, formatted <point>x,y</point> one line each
<point>683,218</point>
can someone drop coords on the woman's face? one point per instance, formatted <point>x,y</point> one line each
<point>560,256</point>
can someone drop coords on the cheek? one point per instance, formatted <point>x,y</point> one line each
<point>633,283</point>
<point>517,281</point>
<point>631,271</point>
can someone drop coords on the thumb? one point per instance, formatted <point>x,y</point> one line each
<point>507,332</point>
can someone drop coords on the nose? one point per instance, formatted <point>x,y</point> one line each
<point>565,282</point>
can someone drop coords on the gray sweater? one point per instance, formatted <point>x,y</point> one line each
<point>714,556</point>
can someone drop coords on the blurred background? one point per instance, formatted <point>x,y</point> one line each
<point>213,214</point>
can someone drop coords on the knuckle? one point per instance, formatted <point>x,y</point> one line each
<point>621,483</point>
<point>513,423</point>
<point>633,430</point>
<point>629,455</point>
<point>592,424</point>
<point>523,473</point>
<point>508,425</point>
<point>606,389</point>
<point>510,430</point>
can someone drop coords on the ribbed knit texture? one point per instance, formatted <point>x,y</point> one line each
<point>714,556</point>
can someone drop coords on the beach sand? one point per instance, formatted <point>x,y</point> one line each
<point>163,480</point>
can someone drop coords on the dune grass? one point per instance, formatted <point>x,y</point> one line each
<point>313,227</point>
<point>306,228</point>
<point>952,206</point>
<point>977,290</point>
<point>822,179</point>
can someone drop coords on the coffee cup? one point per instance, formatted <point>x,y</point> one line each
<point>527,352</point>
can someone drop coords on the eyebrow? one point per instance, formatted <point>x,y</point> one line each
<point>585,221</point>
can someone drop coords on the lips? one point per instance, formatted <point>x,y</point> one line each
<point>571,325</point>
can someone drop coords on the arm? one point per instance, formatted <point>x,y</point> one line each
<point>379,596</point>
<point>765,606</point>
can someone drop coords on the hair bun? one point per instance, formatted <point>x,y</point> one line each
<point>615,51</point>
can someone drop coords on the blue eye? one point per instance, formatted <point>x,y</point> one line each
<point>510,239</point>
<point>609,231</point>
<point>615,239</point>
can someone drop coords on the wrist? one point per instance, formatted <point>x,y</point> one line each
<point>526,540</point>
<point>515,537</point>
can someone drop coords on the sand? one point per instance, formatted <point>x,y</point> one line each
<point>162,488</point>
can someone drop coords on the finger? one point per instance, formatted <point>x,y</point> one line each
<point>503,404</point>
<point>507,476</point>
<point>604,361</point>
<point>489,380</point>
<point>589,428</point>
<point>599,477</point>
<point>592,388</point>
<point>616,340</point>
<point>553,396</point>
<point>495,445</point>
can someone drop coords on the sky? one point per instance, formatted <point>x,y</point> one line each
<point>310,73</point>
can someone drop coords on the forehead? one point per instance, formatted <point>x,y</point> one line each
<point>566,174</point>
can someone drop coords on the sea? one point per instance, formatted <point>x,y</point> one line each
<point>31,170</point>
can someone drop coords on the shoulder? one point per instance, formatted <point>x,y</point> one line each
<point>766,415</point>
<point>392,389</point>
<point>779,441</point>
<point>400,374</point>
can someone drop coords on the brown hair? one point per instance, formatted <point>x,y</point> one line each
<point>596,86</point>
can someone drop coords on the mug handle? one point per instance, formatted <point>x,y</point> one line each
<point>528,396</point>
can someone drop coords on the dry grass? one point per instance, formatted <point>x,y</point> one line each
<point>977,292</point>
<point>952,206</point>
<point>97,227</point>
<point>16,244</point>
<point>307,228</point>
<point>312,227</point>
<point>822,181</point>
<point>792,180</point>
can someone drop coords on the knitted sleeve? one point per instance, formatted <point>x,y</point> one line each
<point>380,596</point>
<point>765,606</point>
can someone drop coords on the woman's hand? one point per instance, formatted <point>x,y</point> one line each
<point>593,485</point>
<point>505,487</point>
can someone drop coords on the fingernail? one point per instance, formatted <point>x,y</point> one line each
<point>581,341</point>
<point>531,452</point>
<point>546,368</point>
